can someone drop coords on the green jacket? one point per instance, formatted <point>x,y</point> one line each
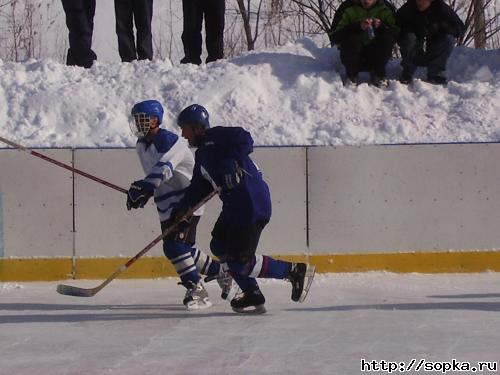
<point>353,13</point>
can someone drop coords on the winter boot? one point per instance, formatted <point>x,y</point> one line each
<point>437,80</point>
<point>378,81</point>
<point>250,302</point>
<point>196,297</point>
<point>301,276</point>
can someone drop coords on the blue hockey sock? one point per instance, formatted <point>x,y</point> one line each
<point>205,264</point>
<point>179,253</point>
<point>262,266</point>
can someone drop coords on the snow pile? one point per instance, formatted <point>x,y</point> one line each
<point>292,95</point>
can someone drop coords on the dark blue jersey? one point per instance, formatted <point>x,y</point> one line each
<point>250,201</point>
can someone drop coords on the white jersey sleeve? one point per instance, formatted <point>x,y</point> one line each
<point>168,164</point>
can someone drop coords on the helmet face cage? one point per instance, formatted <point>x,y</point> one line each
<point>140,124</point>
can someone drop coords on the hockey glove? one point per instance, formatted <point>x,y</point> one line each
<point>139,194</point>
<point>230,174</point>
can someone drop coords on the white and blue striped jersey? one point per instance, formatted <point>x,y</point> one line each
<point>168,164</point>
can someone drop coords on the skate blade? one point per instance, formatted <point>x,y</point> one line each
<point>310,272</point>
<point>199,305</point>
<point>259,309</point>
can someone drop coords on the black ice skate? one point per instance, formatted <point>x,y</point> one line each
<point>301,276</point>
<point>249,302</point>
<point>196,297</point>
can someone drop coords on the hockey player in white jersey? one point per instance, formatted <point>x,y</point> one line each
<point>168,165</point>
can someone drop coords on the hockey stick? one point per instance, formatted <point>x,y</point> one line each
<point>69,290</point>
<point>63,165</point>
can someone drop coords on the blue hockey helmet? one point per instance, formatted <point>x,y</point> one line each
<point>142,113</point>
<point>194,114</point>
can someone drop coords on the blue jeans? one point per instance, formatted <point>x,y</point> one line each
<point>435,56</point>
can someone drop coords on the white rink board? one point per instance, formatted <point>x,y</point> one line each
<point>103,224</point>
<point>105,227</point>
<point>404,198</point>
<point>361,199</point>
<point>284,170</point>
<point>36,204</point>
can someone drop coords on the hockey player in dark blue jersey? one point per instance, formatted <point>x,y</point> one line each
<point>222,161</point>
<point>168,165</point>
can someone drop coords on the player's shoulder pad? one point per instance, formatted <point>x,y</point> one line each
<point>164,140</point>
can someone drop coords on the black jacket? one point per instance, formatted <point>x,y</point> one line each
<point>438,18</point>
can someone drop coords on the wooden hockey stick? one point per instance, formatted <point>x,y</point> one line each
<point>69,290</point>
<point>63,165</point>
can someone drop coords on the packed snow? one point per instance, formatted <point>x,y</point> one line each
<point>292,95</point>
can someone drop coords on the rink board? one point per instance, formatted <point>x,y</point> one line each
<point>411,208</point>
<point>104,227</point>
<point>37,204</point>
<point>404,198</point>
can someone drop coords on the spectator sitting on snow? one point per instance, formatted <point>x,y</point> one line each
<point>366,32</point>
<point>429,29</point>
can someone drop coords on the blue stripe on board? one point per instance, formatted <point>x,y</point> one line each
<point>1,228</point>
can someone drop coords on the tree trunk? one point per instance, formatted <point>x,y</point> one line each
<point>479,24</point>
<point>245,15</point>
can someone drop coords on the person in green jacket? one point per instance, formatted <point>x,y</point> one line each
<point>365,31</point>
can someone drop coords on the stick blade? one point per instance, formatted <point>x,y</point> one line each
<point>69,290</point>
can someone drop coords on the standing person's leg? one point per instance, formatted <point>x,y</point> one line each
<point>439,49</point>
<point>80,21</point>
<point>214,11</point>
<point>125,30</point>
<point>143,15</point>
<point>191,33</point>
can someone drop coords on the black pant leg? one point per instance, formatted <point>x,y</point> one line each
<point>214,11</point>
<point>125,30</point>
<point>351,53</point>
<point>80,23</point>
<point>143,14</point>
<point>191,35</point>
<point>439,48</point>
<point>379,51</point>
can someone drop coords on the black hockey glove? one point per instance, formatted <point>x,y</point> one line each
<point>139,194</point>
<point>230,174</point>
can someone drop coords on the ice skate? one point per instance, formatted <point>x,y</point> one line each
<point>196,297</point>
<point>249,302</point>
<point>229,289</point>
<point>301,277</point>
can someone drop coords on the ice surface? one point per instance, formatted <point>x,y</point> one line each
<point>140,327</point>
